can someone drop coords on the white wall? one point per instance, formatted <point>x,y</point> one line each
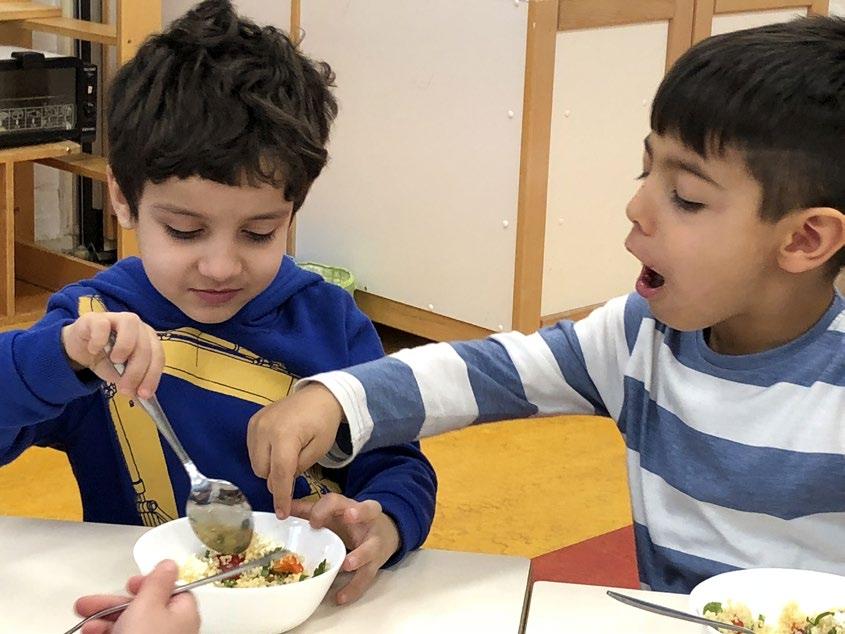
<point>275,12</point>
<point>605,80</point>
<point>736,21</point>
<point>420,197</point>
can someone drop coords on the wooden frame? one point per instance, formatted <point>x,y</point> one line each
<point>585,14</point>
<point>415,320</point>
<point>546,19</point>
<point>295,33</point>
<point>22,10</point>
<point>705,10</point>
<point>574,315</point>
<point>10,158</point>
<point>541,42</point>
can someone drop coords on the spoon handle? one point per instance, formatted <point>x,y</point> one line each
<point>676,614</point>
<point>153,408</point>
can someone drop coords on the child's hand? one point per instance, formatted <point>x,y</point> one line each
<point>369,533</point>
<point>288,436</point>
<point>153,610</point>
<point>136,345</point>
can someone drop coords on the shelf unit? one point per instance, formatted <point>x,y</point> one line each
<point>36,272</point>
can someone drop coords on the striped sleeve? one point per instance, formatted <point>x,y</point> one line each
<point>563,369</point>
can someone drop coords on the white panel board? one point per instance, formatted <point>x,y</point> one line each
<point>425,152</point>
<point>837,7</point>
<point>276,12</point>
<point>747,20</point>
<point>605,80</point>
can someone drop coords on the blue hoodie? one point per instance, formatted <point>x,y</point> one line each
<point>215,378</point>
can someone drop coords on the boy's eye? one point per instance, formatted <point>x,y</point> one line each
<point>642,176</point>
<point>182,235</point>
<point>260,237</point>
<point>683,203</point>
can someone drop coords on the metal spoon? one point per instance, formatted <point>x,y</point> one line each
<point>676,614</point>
<point>217,510</point>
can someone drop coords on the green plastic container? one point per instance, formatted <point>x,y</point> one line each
<point>334,274</point>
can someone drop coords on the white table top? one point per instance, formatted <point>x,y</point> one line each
<point>566,607</point>
<point>45,565</point>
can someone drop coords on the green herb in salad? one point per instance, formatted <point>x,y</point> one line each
<point>322,567</point>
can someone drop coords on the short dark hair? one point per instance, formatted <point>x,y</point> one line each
<point>218,97</point>
<point>776,94</point>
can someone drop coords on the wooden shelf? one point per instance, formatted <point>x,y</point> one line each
<point>30,301</point>
<point>48,269</point>
<point>88,165</point>
<point>79,29</point>
<point>27,10</point>
<point>38,152</point>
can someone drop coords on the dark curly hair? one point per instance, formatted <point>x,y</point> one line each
<point>218,97</point>
<point>776,93</point>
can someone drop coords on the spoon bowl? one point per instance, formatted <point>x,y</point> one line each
<point>220,516</point>
<point>217,510</point>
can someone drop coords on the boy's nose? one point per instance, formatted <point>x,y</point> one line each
<point>637,212</point>
<point>220,264</point>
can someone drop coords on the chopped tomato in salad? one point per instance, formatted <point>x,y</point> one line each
<point>289,568</point>
<point>287,565</point>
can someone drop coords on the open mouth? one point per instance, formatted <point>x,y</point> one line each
<point>652,278</point>
<point>649,282</point>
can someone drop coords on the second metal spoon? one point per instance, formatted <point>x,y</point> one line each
<point>676,614</point>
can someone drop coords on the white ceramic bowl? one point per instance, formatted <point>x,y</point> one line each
<point>767,591</point>
<point>251,610</point>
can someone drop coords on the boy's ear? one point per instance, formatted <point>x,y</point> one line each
<point>119,202</point>
<point>811,238</point>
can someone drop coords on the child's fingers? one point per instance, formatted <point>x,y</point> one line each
<point>156,588</point>
<point>184,613</point>
<point>362,512</point>
<point>302,508</point>
<point>95,331</point>
<point>149,383</point>
<point>328,508</point>
<point>361,580</point>
<point>362,556</point>
<point>86,606</point>
<point>133,585</point>
<point>137,362</point>
<point>126,327</point>
<point>100,626</point>
<point>283,460</point>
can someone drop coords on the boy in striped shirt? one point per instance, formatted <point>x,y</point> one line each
<point>725,371</point>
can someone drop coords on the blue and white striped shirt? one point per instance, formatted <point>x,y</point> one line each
<point>733,461</point>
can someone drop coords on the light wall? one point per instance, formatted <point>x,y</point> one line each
<point>420,197</point>
<point>275,12</point>
<point>605,80</point>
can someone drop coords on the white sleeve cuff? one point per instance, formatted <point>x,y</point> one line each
<point>349,392</point>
